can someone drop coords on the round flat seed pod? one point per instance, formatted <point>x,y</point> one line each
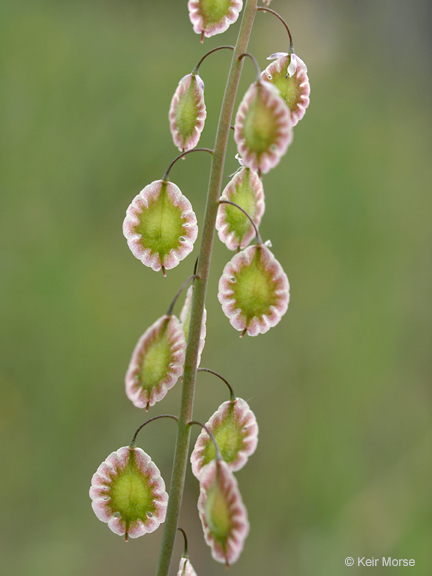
<point>234,228</point>
<point>128,493</point>
<point>187,112</point>
<point>235,429</point>
<point>157,362</point>
<point>186,568</point>
<point>185,317</point>
<point>262,128</point>
<point>222,512</point>
<point>160,226</point>
<point>210,17</point>
<point>289,74</point>
<point>254,290</point>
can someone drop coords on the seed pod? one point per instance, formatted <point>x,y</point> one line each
<point>234,228</point>
<point>186,568</point>
<point>160,226</point>
<point>210,17</point>
<point>156,363</point>
<point>236,431</point>
<point>254,290</point>
<point>262,127</point>
<point>222,512</point>
<point>128,493</point>
<point>187,112</point>
<point>289,74</point>
<point>185,317</point>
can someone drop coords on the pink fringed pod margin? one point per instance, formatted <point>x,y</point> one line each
<point>149,377</point>
<point>160,226</point>
<point>252,275</point>
<point>208,21</point>
<point>254,206</point>
<point>128,493</point>
<point>295,88</point>
<point>185,315</point>
<point>263,128</point>
<point>222,512</point>
<point>235,418</point>
<point>186,130</point>
<point>186,568</point>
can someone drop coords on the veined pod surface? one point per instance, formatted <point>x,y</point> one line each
<point>187,112</point>
<point>222,512</point>
<point>234,228</point>
<point>160,226</point>
<point>254,290</point>
<point>289,74</point>
<point>262,128</point>
<point>128,493</point>
<point>186,568</point>
<point>185,316</point>
<point>235,429</point>
<point>210,17</point>
<point>157,362</point>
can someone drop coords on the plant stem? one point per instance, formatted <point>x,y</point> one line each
<point>190,368</point>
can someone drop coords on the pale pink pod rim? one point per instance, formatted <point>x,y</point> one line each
<point>227,236</point>
<point>138,395</point>
<point>280,66</point>
<point>182,88</point>
<point>185,567</point>
<point>198,23</point>
<point>219,472</point>
<point>183,317</point>
<point>257,325</point>
<point>139,204</point>
<point>272,99</point>
<point>248,422</point>
<point>101,483</point>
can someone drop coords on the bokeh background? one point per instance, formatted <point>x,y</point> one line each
<point>341,387</point>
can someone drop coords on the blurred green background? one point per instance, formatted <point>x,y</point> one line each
<point>341,387</point>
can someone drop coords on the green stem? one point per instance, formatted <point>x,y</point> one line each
<point>190,368</point>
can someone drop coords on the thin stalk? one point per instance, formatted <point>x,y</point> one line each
<point>190,367</point>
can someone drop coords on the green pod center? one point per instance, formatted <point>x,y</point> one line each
<point>156,361</point>
<point>254,288</point>
<point>212,11</point>
<point>244,196</point>
<point>229,437</point>
<point>187,112</point>
<point>288,87</point>
<point>218,514</point>
<point>161,224</point>
<point>131,494</point>
<point>260,128</point>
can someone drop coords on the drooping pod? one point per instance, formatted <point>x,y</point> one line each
<point>222,512</point>
<point>235,429</point>
<point>128,493</point>
<point>233,226</point>
<point>254,290</point>
<point>210,17</point>
<point>187,112</point>
<point>160,226</point>
<point>157,362</point>
<point>185,567</point>
<point>289,74</point>
<point>262,128</point>
<point>185,316</point>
